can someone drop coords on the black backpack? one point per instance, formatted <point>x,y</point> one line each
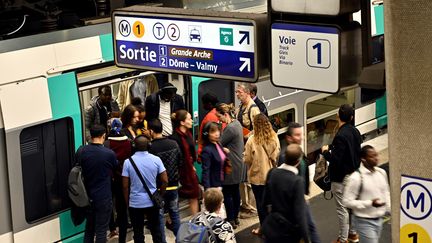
<point>76,188</point>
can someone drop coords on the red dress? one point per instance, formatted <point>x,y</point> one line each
<point>188,177</point>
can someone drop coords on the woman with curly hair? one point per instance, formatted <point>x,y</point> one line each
<point>261,153</point>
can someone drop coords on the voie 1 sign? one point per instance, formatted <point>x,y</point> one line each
<point>198,46</point>
<point>305,57</point>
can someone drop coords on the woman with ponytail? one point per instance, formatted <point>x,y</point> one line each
<point>182,122</point>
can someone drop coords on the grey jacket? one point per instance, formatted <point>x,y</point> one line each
<point>92,116</point>
<point>232,138</point>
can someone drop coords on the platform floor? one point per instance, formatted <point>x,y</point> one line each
<point>323,211</point>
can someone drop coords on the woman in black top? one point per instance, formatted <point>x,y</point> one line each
<point>129,118</point>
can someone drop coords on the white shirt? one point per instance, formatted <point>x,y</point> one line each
<point>165,117</point>
<point>374,185</point>
<point>291,168</point>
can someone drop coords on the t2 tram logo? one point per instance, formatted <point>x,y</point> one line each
<point>172,31</point>
<point>124,28</point>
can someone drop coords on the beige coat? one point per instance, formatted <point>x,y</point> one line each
<point>124,96</point>
<point>257,160</point>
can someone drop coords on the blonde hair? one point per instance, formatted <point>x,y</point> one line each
<point>224,108</point>
<point>263,132</point>
<point>213,199</point>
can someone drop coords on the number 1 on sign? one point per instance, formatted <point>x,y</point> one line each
<point>318,53</point>
<point>414,236</point>
<point>318,47</point>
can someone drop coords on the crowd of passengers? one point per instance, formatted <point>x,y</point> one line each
<point>245,172</point>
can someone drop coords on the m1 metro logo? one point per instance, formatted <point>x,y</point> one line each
<point>124,28</point>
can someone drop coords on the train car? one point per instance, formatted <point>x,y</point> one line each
<point>49,79</point>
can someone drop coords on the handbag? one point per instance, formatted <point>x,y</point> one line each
<point>227,166</point>
<point>156,197</point>
<point>322,177</point>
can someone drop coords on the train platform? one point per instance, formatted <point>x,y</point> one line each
<point>323,211</point>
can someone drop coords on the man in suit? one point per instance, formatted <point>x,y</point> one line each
<point>284,192</point>
<point>294,135</point>
<point>344,158</point>
<point>258,102</point>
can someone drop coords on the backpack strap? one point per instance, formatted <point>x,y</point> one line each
<point>361,185</point>
<point>208,224</point>
<point>78,157</point>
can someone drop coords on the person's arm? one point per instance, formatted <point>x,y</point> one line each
<point>336,152</point>
<point>299,210</point>
<point>162,176</point>
<point>275,153</point>
<point>351,191</point>
<point>180,102</point>
<point>125,184</point>
<point>126,181</point>
<point>89,120</point>
<point>206,162</point>
<point>387,193</point>
<point>227,136</point>
<point>248,153</point>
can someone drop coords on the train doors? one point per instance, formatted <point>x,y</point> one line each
<point>42,128</point>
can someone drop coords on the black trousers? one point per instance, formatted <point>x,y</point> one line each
<point>231,200</point>
<point>137,217</point>
<point>258,191</point>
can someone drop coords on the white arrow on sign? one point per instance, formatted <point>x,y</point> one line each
<point>246,63</point>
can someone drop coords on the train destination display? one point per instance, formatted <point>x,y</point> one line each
<point>202,46</point>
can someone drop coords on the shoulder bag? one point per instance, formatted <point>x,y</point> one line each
<point>156,197</point>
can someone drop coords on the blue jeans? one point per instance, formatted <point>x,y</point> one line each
<point>98,219</point>
<point>171,205</point>
<point>369,230</point>
<point>313,232</point>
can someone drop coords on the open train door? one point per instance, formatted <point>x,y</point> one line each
<point>42,124</point>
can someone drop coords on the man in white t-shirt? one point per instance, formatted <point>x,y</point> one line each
<point>367,193</point>
<point>162,104</point>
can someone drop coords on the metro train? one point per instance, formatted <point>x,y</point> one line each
<point>48,80</point>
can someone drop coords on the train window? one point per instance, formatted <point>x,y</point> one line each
<point>322,121</point>
<point>370,95</point>
<point>223,89</point>
<point>282,119</point>
<point>46,156</point>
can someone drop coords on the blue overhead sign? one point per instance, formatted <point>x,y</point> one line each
<point>202,46</point>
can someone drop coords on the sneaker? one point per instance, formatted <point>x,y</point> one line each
<point>249,214</point>
<point>353,237</point>
<point>339,241</point>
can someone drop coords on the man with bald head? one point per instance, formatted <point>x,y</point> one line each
<point>140,204</point>
<point>284,193</point>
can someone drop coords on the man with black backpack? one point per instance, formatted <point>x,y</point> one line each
<point>97,164</point>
